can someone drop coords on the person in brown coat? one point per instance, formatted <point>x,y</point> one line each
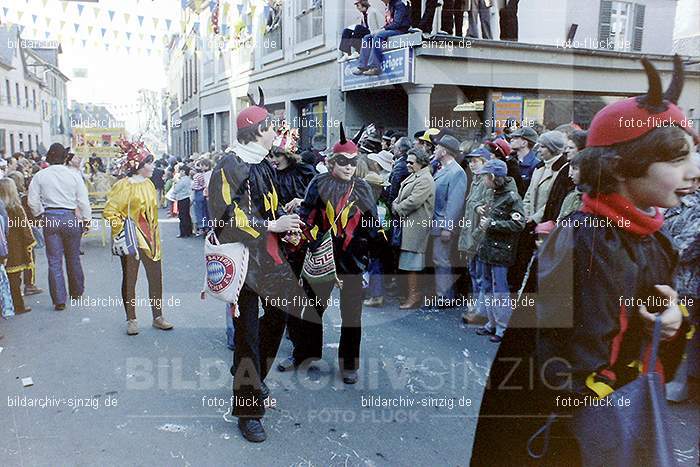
<point>414,205</point>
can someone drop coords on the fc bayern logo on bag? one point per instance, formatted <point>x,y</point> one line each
<point>220,272</point>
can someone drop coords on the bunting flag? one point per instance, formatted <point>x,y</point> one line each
<point>80,9</point>
<point>34,18</point>
<point>47,34</point>
<point>167,24</point>
<point>196,27</point>
<point>96,11</point>
<point>45,2</point>
<point>116,34</point>
<point>111,15</point>
<point>127,16</point>
<point>84,42</point>
<point>103,30</point>
<point>153,39</point>
<point>19,15</point>
<point>90,28</point>
<point>48,22</point>
<point>64,5</point>
<point>76,26</point>
<point>140,20</point>
<point>128,36</point>
<point>63,25</point>
<point>155,23</point>
<point>5,10</point>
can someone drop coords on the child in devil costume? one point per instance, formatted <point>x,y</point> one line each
<point>342,203</point>
<point>592,333</point>
<point>245,207</point>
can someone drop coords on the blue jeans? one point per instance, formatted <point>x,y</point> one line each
<point>477,294</point>
<point>62,234</point>
<point>372,45</point>
<point>494,280</point>
<point>376,280</point>
<point>201,212</point>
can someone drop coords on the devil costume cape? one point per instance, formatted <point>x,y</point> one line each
<point>352,203</point>
<point>293,181</point>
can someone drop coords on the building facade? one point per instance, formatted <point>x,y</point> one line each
<point>571,59</point>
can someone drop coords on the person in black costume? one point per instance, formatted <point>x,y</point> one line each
<point>591,334</point>
<point>244,207</point>
<point>343,203</point>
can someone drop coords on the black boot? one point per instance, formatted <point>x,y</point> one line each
<point>252,429</point>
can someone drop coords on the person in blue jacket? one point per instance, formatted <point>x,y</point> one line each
<point>397,21</point>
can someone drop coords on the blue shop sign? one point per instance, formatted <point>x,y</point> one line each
<point>397,67</point>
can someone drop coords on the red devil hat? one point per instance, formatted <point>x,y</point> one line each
<point>634,117</point>
<point>344,146</point>
<point>254,114</point>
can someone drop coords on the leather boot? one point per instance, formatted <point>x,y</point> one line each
<point>414,298</point>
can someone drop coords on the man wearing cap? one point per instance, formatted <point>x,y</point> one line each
<point>55,194</point>
<point>522,141</point>
<point>244,207</point>
<point>450,193</point>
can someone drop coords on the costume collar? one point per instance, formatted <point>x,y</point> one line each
<point>136,179</point>
<point>251,153</point>
<point>624,213</point>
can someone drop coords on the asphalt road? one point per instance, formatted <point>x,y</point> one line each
<point>162,398</point>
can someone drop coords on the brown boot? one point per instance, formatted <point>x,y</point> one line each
<point>414,299</point>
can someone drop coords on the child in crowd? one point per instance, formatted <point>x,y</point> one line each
<point>20,242</point>
<point>574,200</point>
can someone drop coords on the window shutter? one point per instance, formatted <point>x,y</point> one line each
<point>638,27</point>
<point>604,24</point>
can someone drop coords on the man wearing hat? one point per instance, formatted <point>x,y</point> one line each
<point>450,193</point>
<point>522,141</point>
<point>244,207</point>
<point>55,193</point>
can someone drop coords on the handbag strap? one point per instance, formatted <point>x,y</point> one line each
<point>655,340</point>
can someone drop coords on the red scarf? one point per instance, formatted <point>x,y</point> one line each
<point>625,214</point>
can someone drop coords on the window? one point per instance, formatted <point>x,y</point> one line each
<point>223,126</point>
<point>12,143</point>
<point>26,97</point>
<point>3,143</point>
<point>309,21</point>
<point>36,140</point>
<point>194,66</point>
<point>272,32</point>
<point>209,126</point>
<point>21,142</point>
<point>17,94</point>
<point>34,98</point>
<point>621,26</point>
<point>8,92</point>
<point>29,140</point>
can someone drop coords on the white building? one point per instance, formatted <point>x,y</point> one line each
<point>33,104</point>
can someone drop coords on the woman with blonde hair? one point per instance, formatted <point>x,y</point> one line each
<point>20,242</point>
<point>135,197</point>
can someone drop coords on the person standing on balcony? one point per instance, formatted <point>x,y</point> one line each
<point>479,12</point>
<point>397,21</point>
<point>370,22</point>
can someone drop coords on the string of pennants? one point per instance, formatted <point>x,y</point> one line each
<point>223,20</point>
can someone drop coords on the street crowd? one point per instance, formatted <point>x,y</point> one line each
<point>424,218</point>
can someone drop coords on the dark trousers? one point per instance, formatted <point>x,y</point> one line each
<point>426,21</point>
<point>62,233</point>
<point>256,343</point>
<point>28,273</point>
<point>351,326</point>
<point>183,213</point>
<point>130,274</point>
<point>15,279</point>
<point>480,15</point>
<point>453,16</point>
<point>352,39</point>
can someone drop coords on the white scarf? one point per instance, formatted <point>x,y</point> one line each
<point>252,153</point>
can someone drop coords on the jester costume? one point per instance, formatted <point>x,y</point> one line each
<point>586,338</point>
<point>347,209</point>
<point>243,197</point>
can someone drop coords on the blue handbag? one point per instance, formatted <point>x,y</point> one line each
<point>632,431</point>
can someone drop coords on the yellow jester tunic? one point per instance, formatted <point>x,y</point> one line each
<point>138,195</point>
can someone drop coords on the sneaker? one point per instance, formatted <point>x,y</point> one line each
<point>132,328</point>
<point>252,429</point>
<point>375,302</point>
<point>496,338</point>
<point>26,309</point>
<point>349,376</point>
<point>354,56</point>
<point>359,71</point>
<point>343,58</point>
<point>374,71</point>
<point>160,323</point>
<point>32,290</point>
<point>59,307</point>
<point>484,331</point>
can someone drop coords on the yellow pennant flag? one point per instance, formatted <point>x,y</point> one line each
<point>155,23</point>
<point>96,11</point>
<point>19,15</point>
<point>127,16</point>
<point>116,35</point>
<point>90,28</point>
<point>48,22</point>
<point>45,2</point>
<point>64,5</point>
<point>63,25</point>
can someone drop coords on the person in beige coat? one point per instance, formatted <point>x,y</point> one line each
<point>552,145</point>
<point>414,206</point>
